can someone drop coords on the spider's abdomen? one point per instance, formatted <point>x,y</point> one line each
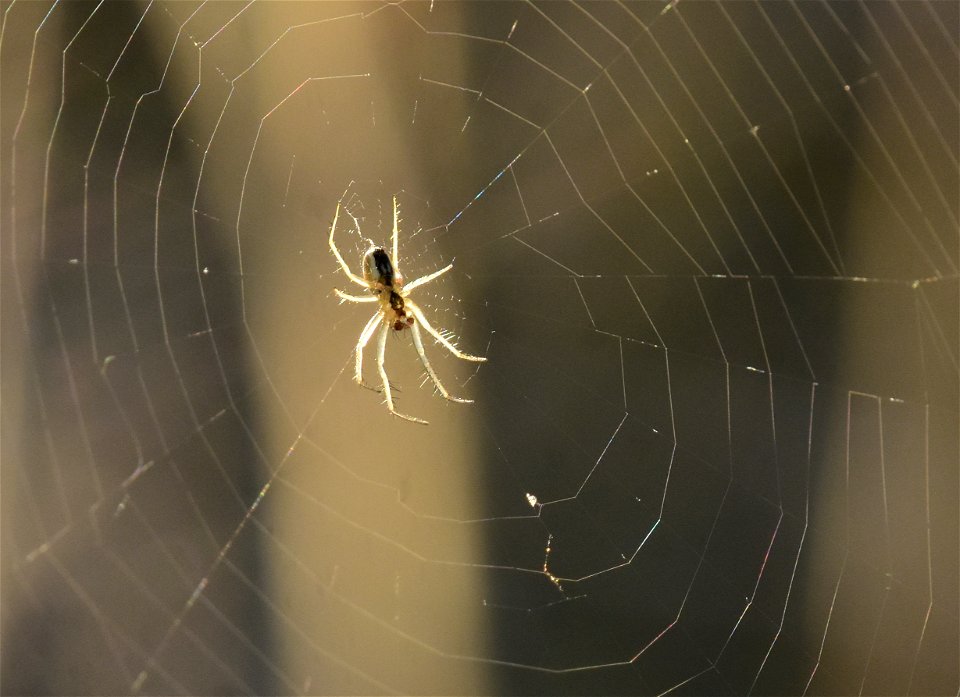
<point>377,267</point>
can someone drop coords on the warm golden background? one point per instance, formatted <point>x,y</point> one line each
<point>711,250</point>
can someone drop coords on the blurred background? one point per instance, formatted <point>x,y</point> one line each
<point>710,250</point>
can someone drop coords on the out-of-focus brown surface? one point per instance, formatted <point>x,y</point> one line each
<point>710,250</point>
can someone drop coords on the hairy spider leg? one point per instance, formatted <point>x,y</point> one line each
<point>336,252</point>
<point>361,344</point>
<point>381,354</point>
<point>418,342</point>
<point>418,313</point>
<point>355,298</point>
<point>396,233</point>
<point>423,280</point>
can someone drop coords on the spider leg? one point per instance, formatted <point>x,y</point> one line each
<point>418,342</point>
<point>381,354</point>
<point>426,279</point>
<point>396,233</point>
<point>336,252</point>
<point>365,335</point>
<point>361,344</point>
<point>418,313</point>
<point>354,298</point>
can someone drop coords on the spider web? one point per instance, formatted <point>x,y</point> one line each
<point>711,251</point>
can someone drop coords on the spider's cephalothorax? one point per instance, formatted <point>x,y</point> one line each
<point>385,283</point>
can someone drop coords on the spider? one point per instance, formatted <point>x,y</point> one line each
<point>383,280</point>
